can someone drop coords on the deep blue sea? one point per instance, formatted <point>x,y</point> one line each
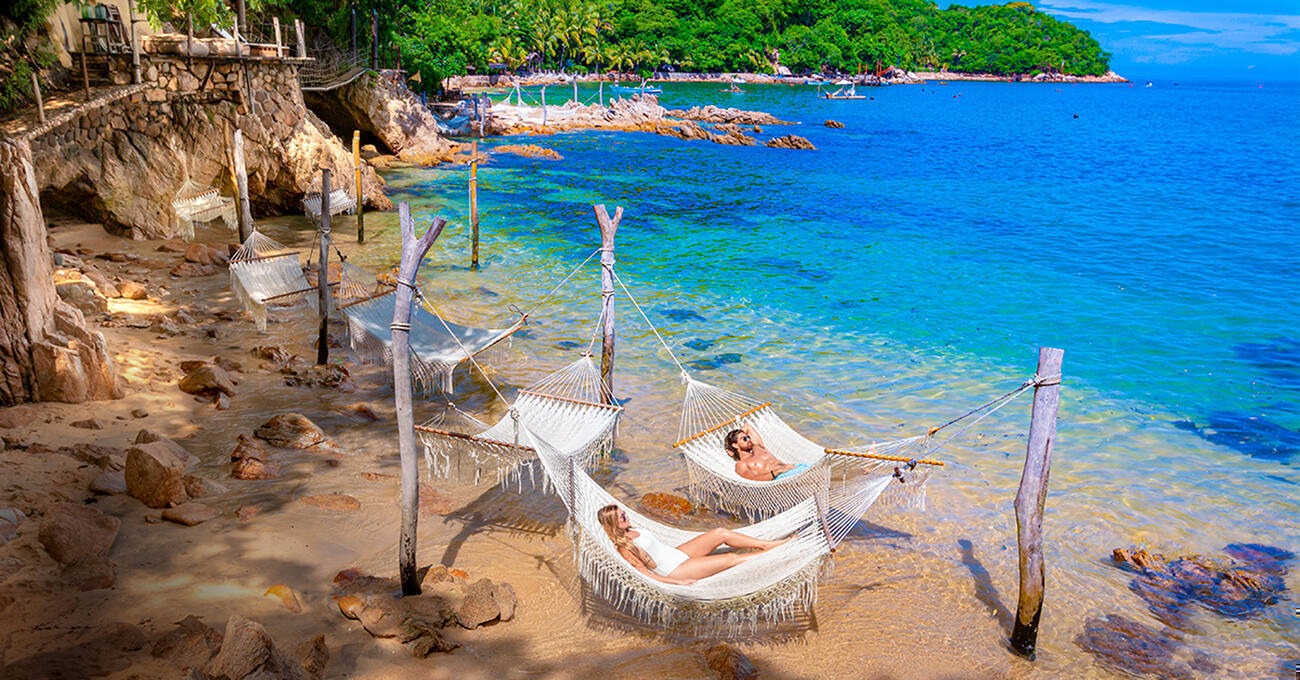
<point>908,269</point>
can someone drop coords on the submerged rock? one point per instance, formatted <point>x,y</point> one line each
<point>189,514</point>
<point>1130,648</point>
<point>1235,589</point>
<point>290,431</point>
<point>729,663</point>
<point>834,124</point>
<point>666,506</point>
<point>529,151</point>
<point>790,142</point>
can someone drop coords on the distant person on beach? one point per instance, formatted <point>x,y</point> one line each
<point>685,564</point>
<point>753,460</point>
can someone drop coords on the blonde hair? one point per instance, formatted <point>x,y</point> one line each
<point>608,517</point>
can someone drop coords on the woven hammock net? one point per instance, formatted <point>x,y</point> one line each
<point>437,346</point>
<point>340,202</point>
<point>709,413</point>
<point>264,272</point>
<point>774,586</point>
<point>196,203</point>
<point>566,407</point>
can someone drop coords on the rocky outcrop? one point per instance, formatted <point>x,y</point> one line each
<point>385,111</point>
<point>529,151</point>
<point>790,142</point>
<point>715,114</point>
<point>46,351</point>
<point>122,163</point>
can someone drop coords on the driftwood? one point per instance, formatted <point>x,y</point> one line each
<point>413,252</point>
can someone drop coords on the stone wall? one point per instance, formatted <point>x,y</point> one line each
<point>46,351</point>
<point>121,163</point>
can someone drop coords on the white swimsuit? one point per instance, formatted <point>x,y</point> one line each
<point>666,557</point>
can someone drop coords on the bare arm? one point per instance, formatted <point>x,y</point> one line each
<point>753,434</point>
<point>636,563</point>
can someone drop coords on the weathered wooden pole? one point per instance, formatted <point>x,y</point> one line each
<point>399,57</point>
<point>1030,499</point>
<point>85,73</point>
<point>323,274</point>
<point>608,228</point>
<point>241,187</point>
<point>543,106</point>
<point>473,203</point>
<point>354,35</point>
<point>575,89</point>
<point>36,92</point>
<point>279,51</point>
<point>413,252</point>
<point>374,39</point>
<point>302,39</point>
<point>601,98</point>
<point>136,77</point>
<point>189,42</point>
<point>242,27</point>
<point>356,168</point>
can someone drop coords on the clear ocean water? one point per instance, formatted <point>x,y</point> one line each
<point>906,271</point>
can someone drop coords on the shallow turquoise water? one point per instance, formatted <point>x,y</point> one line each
<point>907,270</point>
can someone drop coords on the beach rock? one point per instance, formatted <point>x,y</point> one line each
<point>155,474</point>
<point>248,653</point>
<point>291,431</point>
<point>728,662</point>
<point>287,597</point>
<point>109,457</point>
<point>478,606</point>
<point>189,514</point>
<point>201,487</point>
<point>1129,648</point>
<point>529,151</point>
<point>666,506</point>
<point>191,644</point>
<point>131,290</point>
<point>207,380</point>
<point>336,502</point>
<point>274,354</point>
<point>790,142</point>
<point>71,363</point>
<point>313,655</point>
<point>88,424</point>
<point>504,595</point>
<point>246,512</point>
<point>1234,589</point>
<point>333,376</point>
<point>110,482</point>
<point>207,255</point>
<point>76,534</point>
<point>102,283</point>
<point>80,292</point>
<point>16,416</point>
<point>360,412</point>
<point>252,469</point>
<point>248,447</point>
<point>189,270</point>
<point>714,114</point>
<point>834,124</point>
<point>10,518</point>
<point>139,413</point>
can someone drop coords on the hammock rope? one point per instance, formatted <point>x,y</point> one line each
<point>264,272</point>
<point>197,203</point>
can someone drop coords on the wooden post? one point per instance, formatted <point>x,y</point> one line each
<point>356,166</point>
<point>575,89</point>
<point>374,39</point>
<point>543,106</point>
<point>608,228</point>
<point>242,27</point>
<point>519,98</point>
<point>473,203</point>
<point>323,274</point>
<point>302,39</point>
<point>279,51</point>
<point>413,251</point>
<point>482,116</point>
<point>85,74</point>
<point>399,57</point>
<point>189,42</point>
<point>602,93</point>
<point>1030,499</point>
<point>36,92</point>
<point>241,187</point>
<point>135,47</point>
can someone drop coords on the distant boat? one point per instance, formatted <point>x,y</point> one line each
<point>842,82</point>
<point>643,88</point>
<point>1150,84</point>
<point>842,93</point>
<point>738,80</point>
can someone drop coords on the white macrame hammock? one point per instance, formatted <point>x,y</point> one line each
<point>709,413</point>
<point>264,272</point>
<point>775,586</point>
<point>437,346</point>
<point>196,203</point>
<point>340,202</point>
<point>566,407</point>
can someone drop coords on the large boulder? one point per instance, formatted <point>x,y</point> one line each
<point>208,380</point>
<point>155,474</point>
<point>73,532</point>
<point>79,291</point>
<point>392,114</point>
<point>248,653</point>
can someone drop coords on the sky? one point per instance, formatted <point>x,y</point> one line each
<point>1246,40</point>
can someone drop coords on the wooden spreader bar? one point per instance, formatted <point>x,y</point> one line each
<point>265,257</point>
<point>723,424</point>
<point>473,438</point>
<point>572,401</point>
<point>881,456</point>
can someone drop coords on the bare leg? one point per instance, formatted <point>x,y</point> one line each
<point>711,540</point>
<point>701,567</point>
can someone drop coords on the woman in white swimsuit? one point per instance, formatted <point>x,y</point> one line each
<point>685,564</point>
